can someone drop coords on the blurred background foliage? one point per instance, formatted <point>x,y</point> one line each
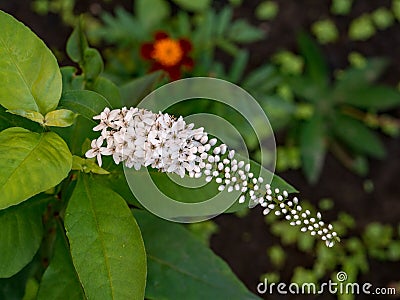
<point>328,96</point>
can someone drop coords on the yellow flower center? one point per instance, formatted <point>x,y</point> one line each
<point>167,52</point>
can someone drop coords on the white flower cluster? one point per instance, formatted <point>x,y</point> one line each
<point>139,137</point>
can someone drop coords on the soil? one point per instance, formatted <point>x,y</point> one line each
<point>242,242</point>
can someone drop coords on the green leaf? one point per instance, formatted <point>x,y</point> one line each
<point>135,90</point>
<point>76,134</point>
<point>60,280</point>
<point>353,78</point>
<point>358,137</point>
<point>9,120</point>
<point>184,25</point>
<point>89,59</point>
<point>116,181</point>
<point>13,288</point>
<point>92,64</point>
<point>23,157</point>
<point>30,114</point>
<point>33,76</point>
<point>21,235</point>
<point>238,66</point>
<point>315,65</point>
<point>175,255</point>
<point>242,32</point>
<point>263,75</point>
<point>70,79</point>
<point>194,6</point>
<point>68,74</point>
<point>86,103</point>
<point>313,147</point>
<point>106,245</point>
<point>151,12</point>
<point>224,19</point>
<point>306,88</point>
<point>108,90</point>
<point>87,166</point>
<point>60,118</point>
<point>77,44</point>
<point>373,97</point>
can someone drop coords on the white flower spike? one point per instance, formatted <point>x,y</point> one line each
<point>138,137</point>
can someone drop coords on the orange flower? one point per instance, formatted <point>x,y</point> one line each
<point>168,54</point>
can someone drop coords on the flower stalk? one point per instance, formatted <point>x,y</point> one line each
<point>138,137</point>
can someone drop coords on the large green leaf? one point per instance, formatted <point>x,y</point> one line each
<point>313,147</point>
<point>181,267</point>
<point>13,288</point>
<point>32,73</point>
<point>60,280</point>
<point>106,245</point>
<point>21,235</point>
<point>358,137</point>
<point>116,181</point>
<point>30,163</point>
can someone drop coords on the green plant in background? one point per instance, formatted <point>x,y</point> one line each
<point>325,31</point>
<point>396,9</point>
<point>341,112</point>
<point>357,60</point>
<point>288,62</point>
<point>341,7</point>
<point>374,242</point>
<point>267,10</point>
<point>365,26</point>
<point>65,8</point>
<point>383,18</point>
<point>206,29</point>
<point>320,114</point>
<point>362,28</point>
